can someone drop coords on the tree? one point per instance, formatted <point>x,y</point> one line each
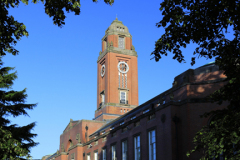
<point>15,141</point>
<point>12,137</point>
<point>205,23</point>
<point>11,30</point>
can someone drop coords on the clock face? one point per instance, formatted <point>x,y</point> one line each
<point>103,70</point>
<point>123,67</point>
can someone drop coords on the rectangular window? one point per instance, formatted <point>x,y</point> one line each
<point>152,116</point>
<point>136,123</point>
<point>121,42</point>
<point>95,155</point>
<point>152,145</point>
<point>147,110</point>
<point>123,97</point>
<point>114,155</point>
<point>103,98</point>
<point>104,154</point>
<point>137,150</point>
<point>105,43</point>
<point>88,157</point>
<point>114,134</point>
<point>72,156</point>
<point>133,117</point>
<point>124,129</point>
<point>104,139</point>
<point>124,150</point>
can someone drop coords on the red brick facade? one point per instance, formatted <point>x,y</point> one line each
<point>172,115</point>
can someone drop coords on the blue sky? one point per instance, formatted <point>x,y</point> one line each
<point>58,66</point>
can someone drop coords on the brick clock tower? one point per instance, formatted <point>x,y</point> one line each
<point>117,79</point>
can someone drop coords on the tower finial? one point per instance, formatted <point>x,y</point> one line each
<point>116,17</point>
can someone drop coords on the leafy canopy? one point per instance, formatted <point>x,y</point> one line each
<point>205,23</point>
<point>11,30</point>
<point>15,141</point>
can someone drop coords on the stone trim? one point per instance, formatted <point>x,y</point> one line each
<point>171,102</point>
<point>117,50</point>
<point>156,100</point>
<point>77,145</point>
<point>106,114</point>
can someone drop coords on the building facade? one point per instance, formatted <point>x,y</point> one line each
<point>161,128</point>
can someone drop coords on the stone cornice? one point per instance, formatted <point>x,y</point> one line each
<point>116,105</point>
<point>117,33</point>
<point>74,146</point>
<point>117,50</point>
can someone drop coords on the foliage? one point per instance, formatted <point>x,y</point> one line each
<point>206,22</point>
<point>11,30</point>
<point>15,141</point>
<point>9,147</point>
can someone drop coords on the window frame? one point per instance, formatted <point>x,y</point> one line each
<point>149,145</point>
<point>96,151</point>
<point>125,100</point>
<point>123,39</point>
<point>89,154</point>
<point>122,141</point>
<point>134,148</point>
<point>115,145</point>
<point>104,149</point>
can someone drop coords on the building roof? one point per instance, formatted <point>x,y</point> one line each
<point>155,100</point>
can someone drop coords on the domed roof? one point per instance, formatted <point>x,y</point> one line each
<point>117,26</point>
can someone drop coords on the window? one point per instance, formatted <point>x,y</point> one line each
<point>124,129</point>
<point>105,43</point>
<point>152,116</point>
<point>88,157</point>
<point>133,117</point>
<point>104,139</point>
<point>96,155</point>
<point>123,98</point>
<point>114,134</point>
<point>96,143</point>
<point>137,150</point>
<point>152,145</point>
<point>104,154</point>
<point>124,150</point>
<point>72,156</point>
<point>147,110</point>
<point>136,123</point>
<point>114,155</point>
<point>121,42</point>
<point>103,98</point>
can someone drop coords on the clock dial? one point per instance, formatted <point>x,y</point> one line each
<point>123,67</point>
<point>103,70</point>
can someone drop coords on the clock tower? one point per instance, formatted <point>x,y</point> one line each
<point>117,79</point>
